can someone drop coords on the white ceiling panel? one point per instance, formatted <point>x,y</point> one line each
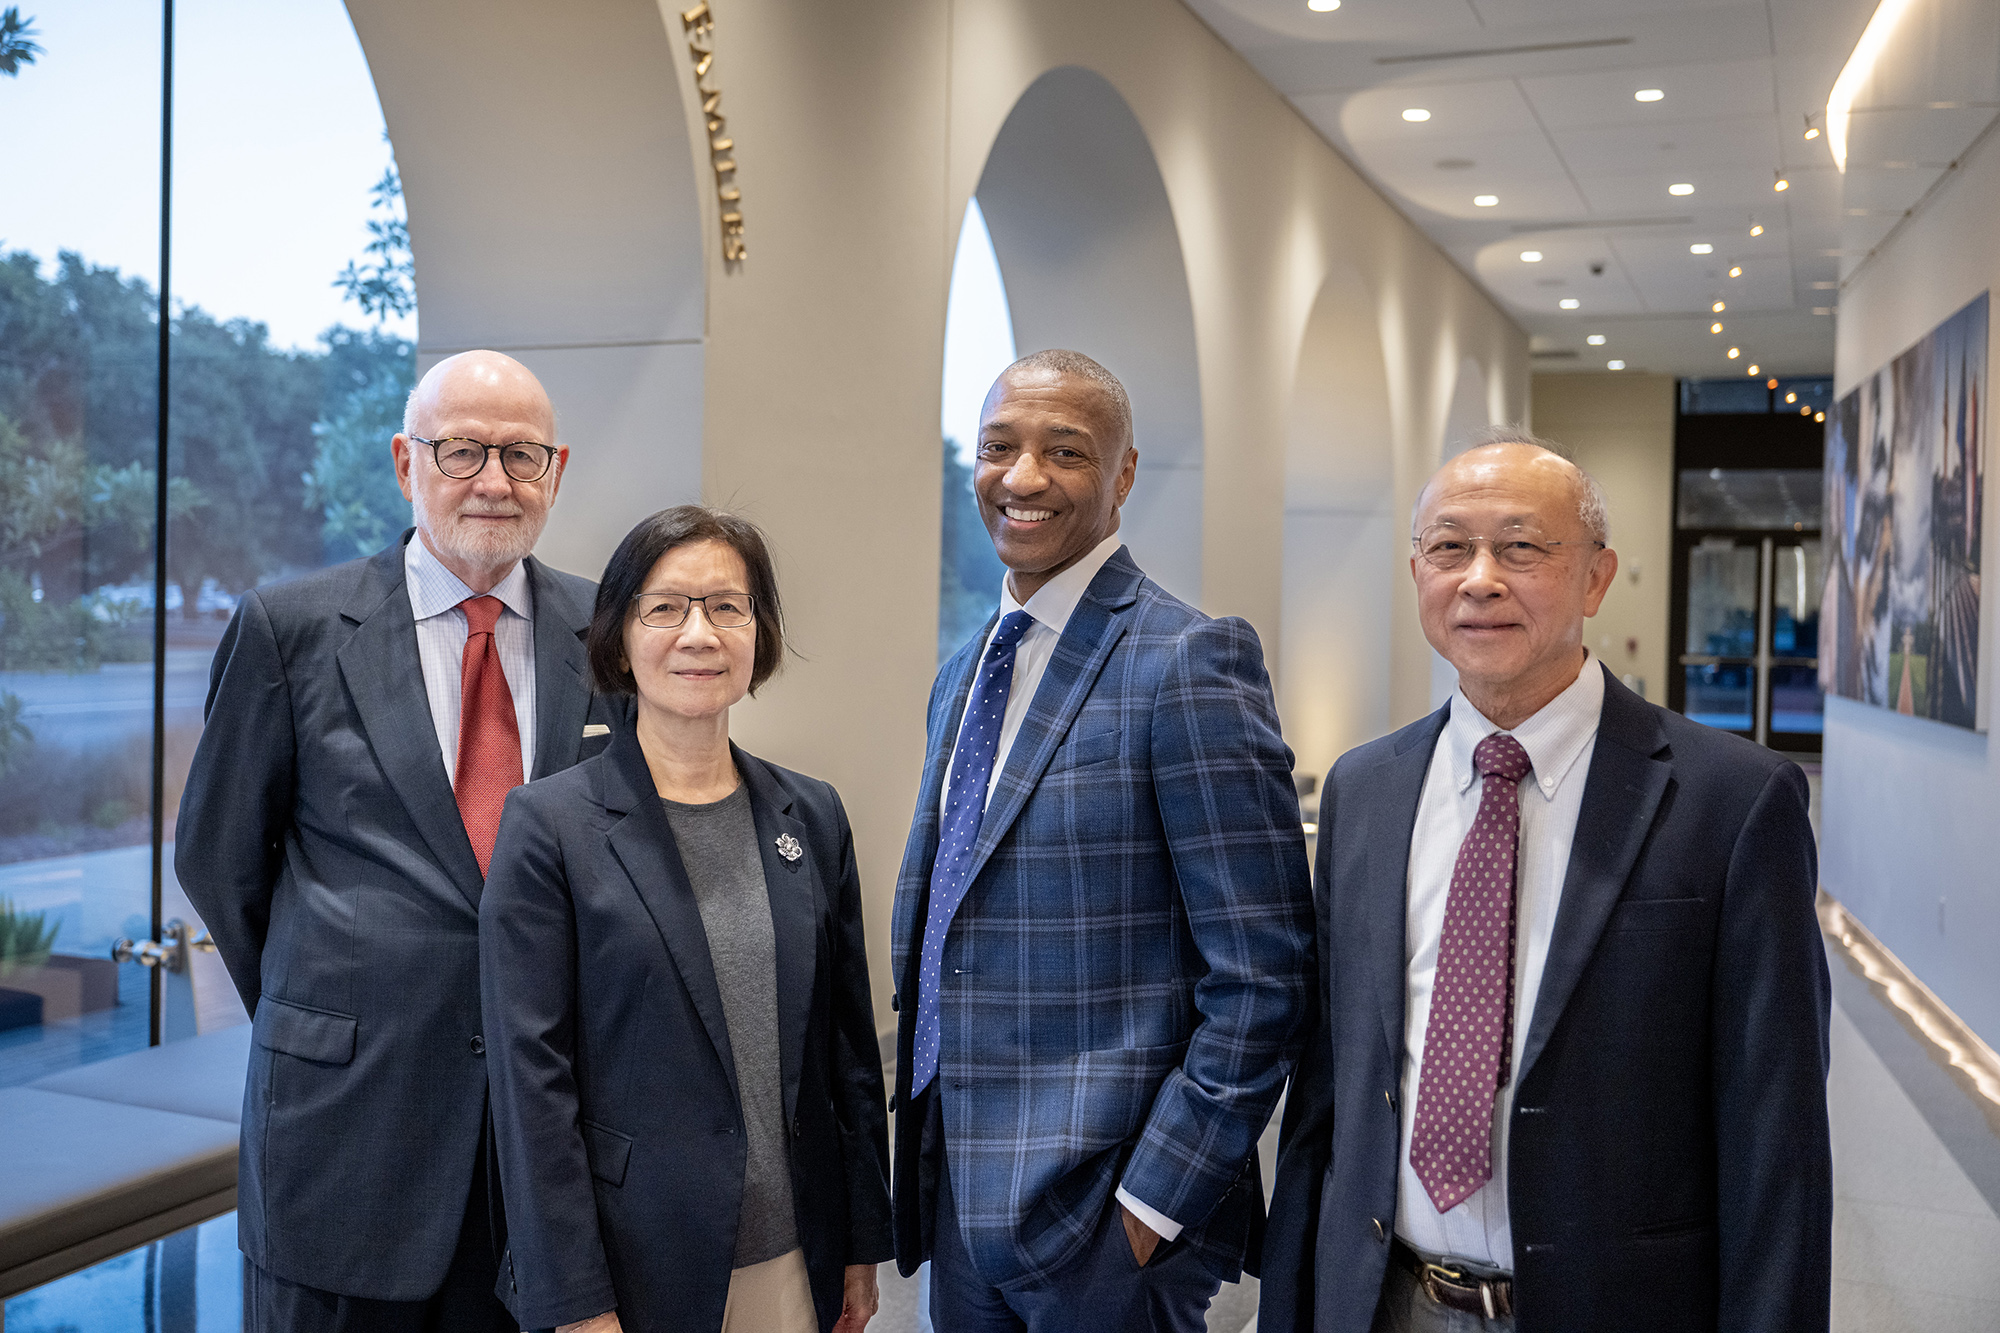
<point>1357,20</point>
<point>1488,108</point>
<point>1648,191</point>
<point>1603,98</point>
<point>1742,141</point>
<point>1501,13</point>
<point>1531,101</point>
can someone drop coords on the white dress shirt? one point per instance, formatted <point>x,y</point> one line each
<point>435,593</point>
<point>1051,606</point>
<point>1559,740</point>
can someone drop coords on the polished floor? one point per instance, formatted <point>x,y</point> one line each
<point>1916,1218</point>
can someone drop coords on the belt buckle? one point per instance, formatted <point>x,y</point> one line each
<point>1435,1275</point>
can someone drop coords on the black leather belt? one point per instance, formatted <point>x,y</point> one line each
<point>1455,1288</point>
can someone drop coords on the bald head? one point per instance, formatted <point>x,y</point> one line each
<point>479,383</point>
<point>1505,449</point>
<point>480,525</point>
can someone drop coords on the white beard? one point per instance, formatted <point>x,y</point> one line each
<point>475,543</point>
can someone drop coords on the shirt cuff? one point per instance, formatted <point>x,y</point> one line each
<point>1163,1226</point>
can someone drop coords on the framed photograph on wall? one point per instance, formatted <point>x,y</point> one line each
<point>1905,502</point>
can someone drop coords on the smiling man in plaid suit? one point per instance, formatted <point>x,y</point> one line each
<point>1103,922</point>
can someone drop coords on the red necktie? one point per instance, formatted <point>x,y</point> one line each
<point>1470,1034</point>
<point>489,737</point>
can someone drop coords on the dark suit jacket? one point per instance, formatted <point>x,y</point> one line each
<point>1135,943</point>
<point>1668,1166</point>
<point>320,842</point>
<point>622,1143</point>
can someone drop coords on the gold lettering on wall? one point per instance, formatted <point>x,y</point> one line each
<point>699,24</point>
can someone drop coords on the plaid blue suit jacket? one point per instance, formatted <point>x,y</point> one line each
<point>1125,981</point>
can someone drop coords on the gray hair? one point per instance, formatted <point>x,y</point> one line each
<point>1061,361</point>
<point>1593,511</point>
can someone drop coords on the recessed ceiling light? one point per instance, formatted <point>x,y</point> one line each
<point>1756,229</point>
<point>1718,307</point>
<point>1322,6</point>
<point>1614,365</point>
<point>1735,352</point>
<point>1680,189</point>
<point>1805,411</point>
<point>1569,303</point>
<point>1595,340</point>
<point>1812,131</point>
<point>1819,416</point>
<point>1736,271</point>
<point>1715,328</point>
<point>1485,200</point>
<point>1753,371</point>
<point>1531,256</point>
<point>1792,397</point>
<point>1701,248</point>
<point>1648,95</point>
<point>1416,113</point>
<point>1781,184</point>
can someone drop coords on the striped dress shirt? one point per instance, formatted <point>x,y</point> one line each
<point>435,593</point>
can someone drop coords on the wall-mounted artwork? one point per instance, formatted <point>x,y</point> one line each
<point>1905,497</point>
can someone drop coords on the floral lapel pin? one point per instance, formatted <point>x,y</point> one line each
<point>788,847</point>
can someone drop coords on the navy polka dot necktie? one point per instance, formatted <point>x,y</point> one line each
<point>1468,1041</point>
<point>964,811</point>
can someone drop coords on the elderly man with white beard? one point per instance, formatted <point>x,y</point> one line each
<point>364,726</point>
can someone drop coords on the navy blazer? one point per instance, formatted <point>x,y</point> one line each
<point>1127,976</point>
<point>321,844</point>
<point>622,1143</point>
<point>1668,1165</point>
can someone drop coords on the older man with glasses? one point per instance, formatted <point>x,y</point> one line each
<point>364,726</point>
<point>1570,1065</point>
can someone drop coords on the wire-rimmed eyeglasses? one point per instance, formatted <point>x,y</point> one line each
<point>669,610</point>
<point>1448,547</point>
<point>462,459</point>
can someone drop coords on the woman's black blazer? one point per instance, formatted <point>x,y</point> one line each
<point>621,1139</point>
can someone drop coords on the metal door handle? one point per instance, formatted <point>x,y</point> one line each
<point>171,952</point>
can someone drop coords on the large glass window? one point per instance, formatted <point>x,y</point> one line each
<point>978,345</point>
<point>290,327</point>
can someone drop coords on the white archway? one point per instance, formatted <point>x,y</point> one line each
<point>555,214</point>
<point>1085,235</point>
<point>1334,652</point>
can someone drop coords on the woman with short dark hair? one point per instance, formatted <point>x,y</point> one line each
<point>687,1090</point>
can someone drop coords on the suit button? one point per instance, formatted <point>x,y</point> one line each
<point>478,1044</point>
<point>1380,1232</point>
<point>892,1103</point>
<point>798,1126</point>
<point>894,1007</point>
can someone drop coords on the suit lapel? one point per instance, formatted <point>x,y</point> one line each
<point>562,692</point>
<point>643,842</point>
<point>1094,629</point>
<point>796,908</point>
<point>384,676</point>
<point>1620,798</point>
<point>1397,788</point>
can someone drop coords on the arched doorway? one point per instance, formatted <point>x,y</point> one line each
<point>1334,655</point>
<point>555,214</point>
<point>1085,236</point>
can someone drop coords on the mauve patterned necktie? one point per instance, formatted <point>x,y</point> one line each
<point>489,735</point>
<point>964,811</point>
<point>1468,1040</point>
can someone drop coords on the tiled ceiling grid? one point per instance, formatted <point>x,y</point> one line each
<point>1532,111</point>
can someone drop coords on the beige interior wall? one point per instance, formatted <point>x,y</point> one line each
<point>1620,429</point>
<point>860,131</point>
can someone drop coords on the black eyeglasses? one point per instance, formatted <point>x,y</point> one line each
<point>669,610</point>
<point>1450,548</point>
<point>461,459</point>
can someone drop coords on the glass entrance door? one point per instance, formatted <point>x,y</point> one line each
<point>1749,654</point>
